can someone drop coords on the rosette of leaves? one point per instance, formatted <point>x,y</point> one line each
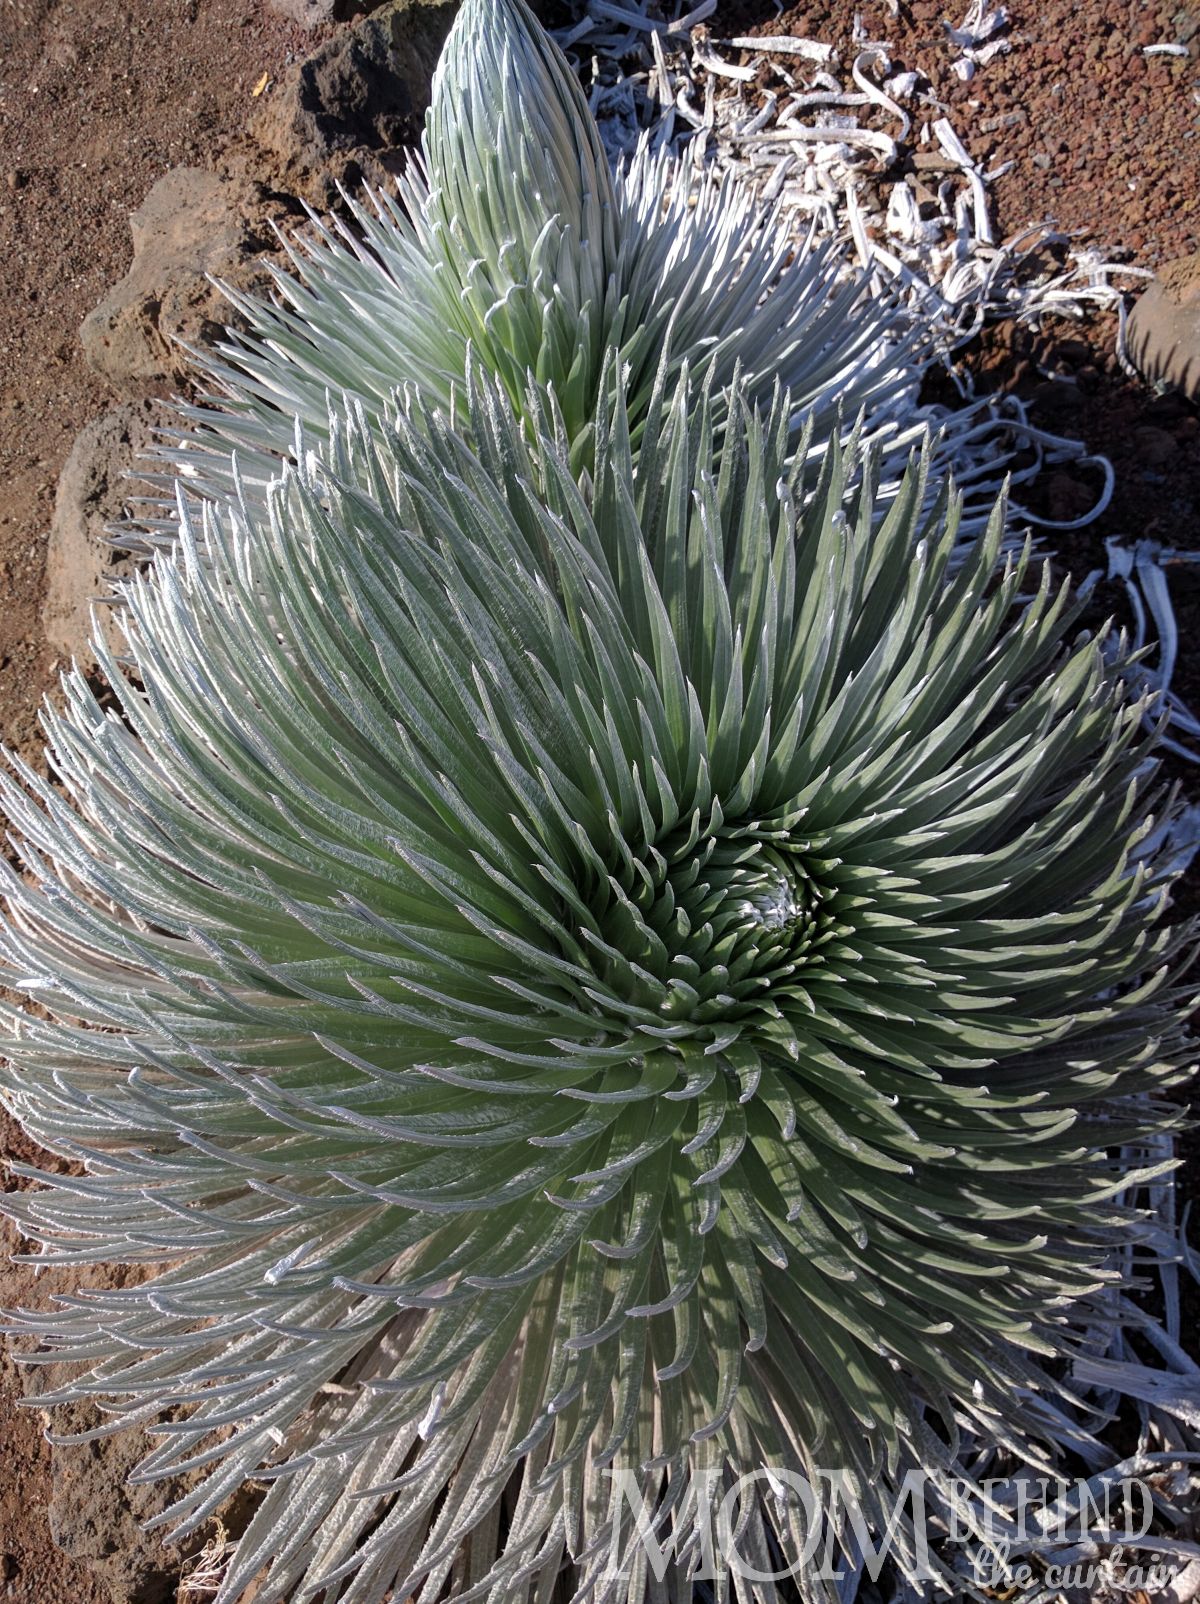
<point>510,236</point>
<point>558,986</point>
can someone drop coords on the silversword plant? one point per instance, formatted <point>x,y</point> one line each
<point>557,984</point>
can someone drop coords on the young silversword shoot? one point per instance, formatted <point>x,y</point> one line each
<point>652,980</point>
<point>511,236</point>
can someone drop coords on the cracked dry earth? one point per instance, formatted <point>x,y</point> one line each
<point>98,103</point>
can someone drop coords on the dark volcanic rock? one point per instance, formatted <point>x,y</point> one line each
<point>350,109</point>
<point>315,13</point>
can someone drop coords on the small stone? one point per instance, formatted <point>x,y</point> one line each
<point>1074,351</point>
<point>1067,496</point>
<point>1154,446</point>
<point>1163,335</point>
<point>1058,398</point>
<point>932,161</point>
<point>1169,409</point>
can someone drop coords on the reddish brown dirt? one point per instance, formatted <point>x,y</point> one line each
<point>96,103</point>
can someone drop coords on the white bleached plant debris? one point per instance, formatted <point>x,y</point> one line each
<point>825,149</point>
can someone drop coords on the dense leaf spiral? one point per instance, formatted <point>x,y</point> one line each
<point>652,979</point>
